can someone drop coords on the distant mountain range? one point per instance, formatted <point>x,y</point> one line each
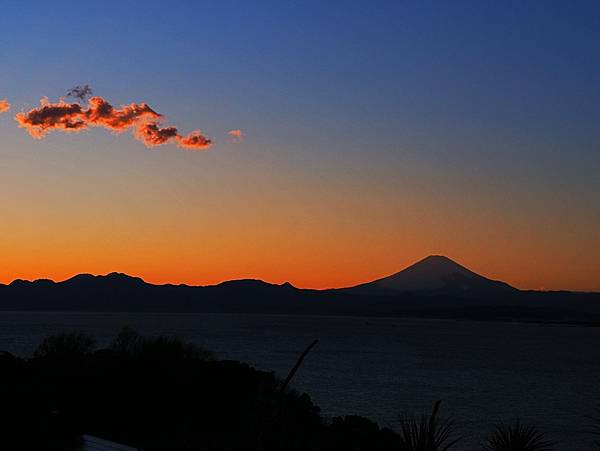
<point>434,287</point>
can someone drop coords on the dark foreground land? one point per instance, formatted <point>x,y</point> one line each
<point>162,394</point>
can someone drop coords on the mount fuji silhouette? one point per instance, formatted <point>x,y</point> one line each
<point>434,287</point>
<point>435,275</point>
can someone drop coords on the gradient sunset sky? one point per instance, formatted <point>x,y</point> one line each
<point>376,133</point>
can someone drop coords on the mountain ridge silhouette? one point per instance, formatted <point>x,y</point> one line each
<point>435,286</point>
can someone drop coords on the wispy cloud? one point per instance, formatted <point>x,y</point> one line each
<point>236,136</point>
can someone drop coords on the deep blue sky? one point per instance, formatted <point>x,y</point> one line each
<point>469,128</point>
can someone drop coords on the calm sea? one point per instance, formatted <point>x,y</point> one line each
<point>483,371</point>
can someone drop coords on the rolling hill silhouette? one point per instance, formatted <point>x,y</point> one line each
<point>433,287</point>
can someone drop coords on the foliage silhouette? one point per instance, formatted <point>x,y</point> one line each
<point>517,437</point>
<point>66,345</point>
<point>153,393</point>
<point>428,433</point>
<point>161,348</point>
<point>355,433</point>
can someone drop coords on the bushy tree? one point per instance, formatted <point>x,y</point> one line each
<point>160,348</point>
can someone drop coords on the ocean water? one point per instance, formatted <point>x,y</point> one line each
<point>484,372</point>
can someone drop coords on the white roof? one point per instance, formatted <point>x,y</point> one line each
<point>91,443</point>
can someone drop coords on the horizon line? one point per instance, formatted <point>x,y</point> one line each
<point>256,279</point>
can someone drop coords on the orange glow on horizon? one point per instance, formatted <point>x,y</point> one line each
<point>310,281</point>
<point>303,272</point>
<point>175,218</point>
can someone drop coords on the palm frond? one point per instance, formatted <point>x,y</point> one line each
<point>427,433</point>
<point>518,437</point>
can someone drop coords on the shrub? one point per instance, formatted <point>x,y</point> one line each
<point>125,341</point>
<point>160,348</point>
<point>66,345</point>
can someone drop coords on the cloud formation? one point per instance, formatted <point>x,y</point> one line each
<point>139,117</point>
<point>195,140</point>
<point>151,134</point>
<point>4,106</point>
<point>237,136</point>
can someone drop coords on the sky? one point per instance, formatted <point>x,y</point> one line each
<point>375,134</point>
